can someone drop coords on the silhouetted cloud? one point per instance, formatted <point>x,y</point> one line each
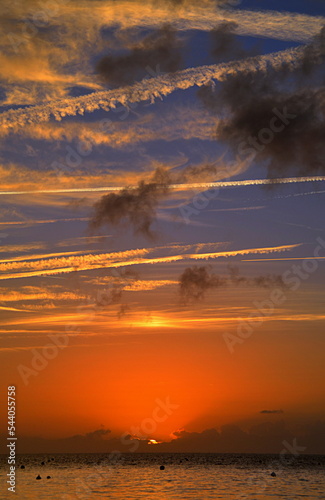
<point>113,291</point>
<point>266,281</point>
<point>226,45</point>
<point>269,437</point>
<point>158,51</point>
<point>277,116</point>
<point>134,206</point>
<point>195,281</point>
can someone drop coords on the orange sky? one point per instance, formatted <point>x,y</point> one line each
<point>96,330</point>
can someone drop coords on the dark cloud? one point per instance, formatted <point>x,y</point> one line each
<point>197,173</point>
<point>136,207</point>
<point>272,412</point>
<point>226,45</point>
<point>195,281</point>
<point>275,117</point>
<point>269,437</point>
<point>112,293</point>
<point>158,51</point>
<point>266,281</point>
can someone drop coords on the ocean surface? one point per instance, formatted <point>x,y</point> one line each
<point>185,476</point>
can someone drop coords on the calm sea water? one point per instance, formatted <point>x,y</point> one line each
<point>186,476</point>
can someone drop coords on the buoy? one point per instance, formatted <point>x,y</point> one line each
<point>38,477</point>
<point>48,477</point>
<point>22,467</point>
<point>162,467</point>
<point>42,463</point>
<point>273,474</point>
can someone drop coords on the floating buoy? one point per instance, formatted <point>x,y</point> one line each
<point>273,474</point>
<point>162,467</point>
<point>38,477</point>
<point>22,467</point>
<point>42,463</point>
<point>48,477</point>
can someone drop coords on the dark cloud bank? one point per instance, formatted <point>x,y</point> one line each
<point>267,437</point>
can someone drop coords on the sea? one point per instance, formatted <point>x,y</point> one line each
<point>155,476</point>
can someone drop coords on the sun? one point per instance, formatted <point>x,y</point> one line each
<point>152,322</point>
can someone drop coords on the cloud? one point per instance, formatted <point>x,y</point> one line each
<point>47,52</point>
<point>24,247</point>
<point>39,256</point>
<point>195,281</point>
<point>178,123</point>
<point>225,45</point>
<point>188,173</point>
<point>270,437</point>
<point>159,49</point>
<point>147,89</point>
<point>135,206</point>
<point>267,281</point>
<point>116,260</point>
<point>275,117</point>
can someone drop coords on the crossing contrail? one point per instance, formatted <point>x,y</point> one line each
<point>179,187</point>
<point>147,89</point>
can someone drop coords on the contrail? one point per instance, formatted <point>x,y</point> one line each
<point>287,258</point>
<point>111,261</point>
<point>179,187</point>
<point>147,89</point>
<point>283,25</point>
<point>32,222</point>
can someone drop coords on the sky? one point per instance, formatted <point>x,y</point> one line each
<point>162,236</point>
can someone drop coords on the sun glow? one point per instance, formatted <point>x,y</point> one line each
<point>152,322</point>
<point>153,441</point>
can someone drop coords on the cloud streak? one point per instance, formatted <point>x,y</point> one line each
<point>180,187</point>
<point>119,259</point>
<point>147,89</point>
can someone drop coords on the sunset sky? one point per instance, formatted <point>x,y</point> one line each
<point>162,224</point>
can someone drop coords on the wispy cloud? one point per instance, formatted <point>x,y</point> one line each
<point>179,187</point>
<point>147,89</point>
<point>119,259</point>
